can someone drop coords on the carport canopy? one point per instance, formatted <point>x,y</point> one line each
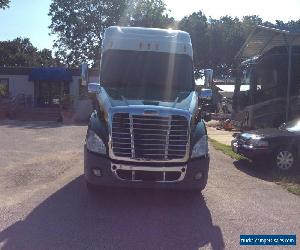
<point>50,74</point>
<point>262,39</point>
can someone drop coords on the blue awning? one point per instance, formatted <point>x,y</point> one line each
<point>50,74</point>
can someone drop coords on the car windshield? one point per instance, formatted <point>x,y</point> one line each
<point>147,69</point>
<point>292,126</point>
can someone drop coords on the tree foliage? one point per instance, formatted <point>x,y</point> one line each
<point>217,41</point>
<point>4,4</point>
<point>149,13</point>
<point>79,24</point>
<point>21,53</point>
<point>196,25</point>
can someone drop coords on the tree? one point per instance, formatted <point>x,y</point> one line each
<point>291,25</point>
<point>225,39</point>
<point>80,24</point>
<point>4,4</point>
<point>151,13</point>
<point>249,23</point>
<point>196,25</point>
<point>44,58</point>
<point>217,41</point>
<point>21,53</point>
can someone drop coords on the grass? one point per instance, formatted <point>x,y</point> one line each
<point>226,149</point>
<point>289,181</point>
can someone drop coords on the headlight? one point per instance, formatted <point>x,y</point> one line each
<point>254,141</point>
<point>200,148</point>
<point>257,143</point>
<point>94,143</point>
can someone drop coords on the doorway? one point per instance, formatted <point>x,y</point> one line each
<point>48,94</point>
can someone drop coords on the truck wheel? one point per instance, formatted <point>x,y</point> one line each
<point>285,159</point>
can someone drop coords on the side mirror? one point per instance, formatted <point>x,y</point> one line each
<point>94,88</point>
<point>84,74</point>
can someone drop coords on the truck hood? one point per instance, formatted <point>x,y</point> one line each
<point>174,99</point>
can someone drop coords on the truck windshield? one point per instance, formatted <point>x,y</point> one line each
<point>147,69</point>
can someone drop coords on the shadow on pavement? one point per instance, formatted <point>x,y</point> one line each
<point>36,124</point>
<point>72,218</point>
<point>263,170</point>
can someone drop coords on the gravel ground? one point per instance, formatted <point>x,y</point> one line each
<point>44,203</point>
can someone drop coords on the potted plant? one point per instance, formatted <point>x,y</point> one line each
<point>67,108</point>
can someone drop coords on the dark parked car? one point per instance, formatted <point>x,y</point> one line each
<point>281,145</point>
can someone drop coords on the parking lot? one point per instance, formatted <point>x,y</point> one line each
<point>44,203</point>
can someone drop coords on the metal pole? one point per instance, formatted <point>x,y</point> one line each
<point>289,81</point>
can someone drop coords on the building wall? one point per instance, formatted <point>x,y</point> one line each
<point>94,79</point>
<point>19,84</point>
<point>74,86</point>
<point>83,108</point>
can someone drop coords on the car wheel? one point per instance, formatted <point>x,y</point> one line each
<point>284,159</point>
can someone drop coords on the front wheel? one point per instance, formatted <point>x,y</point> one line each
<point>284,159</point>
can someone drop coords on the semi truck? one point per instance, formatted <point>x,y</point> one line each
<point>146,130</point>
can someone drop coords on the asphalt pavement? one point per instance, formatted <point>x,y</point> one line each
<point>44,203</point>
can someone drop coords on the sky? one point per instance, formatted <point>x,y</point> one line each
<point>29,18</point>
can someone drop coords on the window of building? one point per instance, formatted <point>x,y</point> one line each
<point>4,87</point>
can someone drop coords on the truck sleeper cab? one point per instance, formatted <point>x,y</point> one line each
<point>146,130</point>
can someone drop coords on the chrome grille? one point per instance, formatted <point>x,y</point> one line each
<point>148,174</point>
<point>149,137</point>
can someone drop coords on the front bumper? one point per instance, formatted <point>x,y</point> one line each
<point>251,153</point>
<point>108,176</point>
